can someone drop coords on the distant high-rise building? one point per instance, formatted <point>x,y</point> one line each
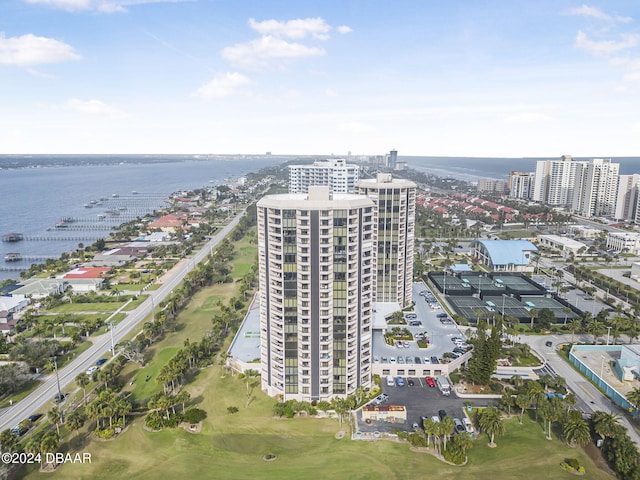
<point>393,159</point>
<point>492,185</point>
<point>596,188</point>
<point>554,181</point>
<point>520,185</point>
<point>317,267</point>
<point>627,198</point>
<point>395,234</point>
<point>336,173</point>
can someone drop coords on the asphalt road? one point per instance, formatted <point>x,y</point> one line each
<point>35,401</point>
<point>590,399</point>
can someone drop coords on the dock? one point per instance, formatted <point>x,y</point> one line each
<point>12,237</point>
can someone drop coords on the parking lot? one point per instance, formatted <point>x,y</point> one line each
<point>419,400</point>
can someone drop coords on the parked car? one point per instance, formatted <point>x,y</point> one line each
<point>35,417</point>
<point>405,344</point>
<point>430,381</point>
<point>59,397</point>
<point>410,316</point>
<point>410,382</point>
<point>459,426</point>
<point>376,359</point>
<point>102,361</point>
<point>409,359</point>
<point>392,359</point>
<point>400,359</point>
<point>468,425</point>
<point>548,343</point>
<point>436,418</point>
<point>442,414</point>
<point>384,360</point>
<point>417,360</point>
<point>400,382</point>
<point>383,397</point>
<point>442,315</point>
<point>91,370</point>
<point>435,360</point>
<point>415,426</point>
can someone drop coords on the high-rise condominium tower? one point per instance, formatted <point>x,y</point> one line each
<point>317,283</point>
<point>596,188</point>
<point>555,181</point>
<point>340,176</point>
<point>395,201</point>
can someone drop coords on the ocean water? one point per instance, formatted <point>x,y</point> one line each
<point>51,188</point>
<point>471,169</point>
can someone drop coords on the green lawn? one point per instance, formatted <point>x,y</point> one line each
<point>232,446</point>
<point>88,307</point>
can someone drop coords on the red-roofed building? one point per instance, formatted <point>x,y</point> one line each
<point>168,223</point>
<point>88,272</point>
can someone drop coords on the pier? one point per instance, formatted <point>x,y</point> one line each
<point>12,237</point>
<point>63,238</point>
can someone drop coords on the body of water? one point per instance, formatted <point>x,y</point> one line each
<point>471,169</point>
<point>95,197</point>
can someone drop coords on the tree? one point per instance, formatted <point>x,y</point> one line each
<point>574,326</point>
<point>523,402</point>
<point>577,431</point>
<point>50,443</point>
<point>508,401</point>
<point>491,423</point>
<point>633,397</point>
<point>446,429</point>
<point>55,417</point>
<point>606,424</point>
<point>533,314</point>
<point>82,380</point>
<point>431,428</point>
<point>75,421</point>
<point>249,375</point>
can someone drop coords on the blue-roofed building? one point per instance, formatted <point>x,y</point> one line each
<point>504,255</point>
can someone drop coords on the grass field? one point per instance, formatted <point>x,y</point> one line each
<point>233,446</point>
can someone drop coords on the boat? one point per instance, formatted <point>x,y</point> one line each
<point>93,202</point>
<point>88,205</point>
<point>103,199</point>
<point>12,257</point>
<point>61,225</point>
<point>134,192</point>
<point>122,209</point>
<point>101,216</point>
<point>115,195</point>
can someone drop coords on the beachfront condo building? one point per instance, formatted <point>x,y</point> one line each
<point>395,201</point>
<point>596,188</point>
<point>555,181</point>
<point>317,271</point>
<point>336,173</point>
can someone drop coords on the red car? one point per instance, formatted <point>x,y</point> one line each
<point>430,381</point>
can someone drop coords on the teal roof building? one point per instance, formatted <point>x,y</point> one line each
<point>505,255</point>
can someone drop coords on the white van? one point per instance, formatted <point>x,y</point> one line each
<point>391,382</point>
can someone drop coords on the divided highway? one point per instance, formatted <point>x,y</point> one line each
<point>35,401</point>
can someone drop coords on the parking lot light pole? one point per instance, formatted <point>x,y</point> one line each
<point>113,347</point>
<point>503,297</point>
<point>608,333</point>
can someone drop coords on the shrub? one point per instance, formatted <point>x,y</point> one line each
<point>231,410</point>
<point>417,440</point>
<point>194,415</point>
<point>573,463</point>
<point>323,405</point>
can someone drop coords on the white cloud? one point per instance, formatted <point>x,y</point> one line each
<point>258,52</point>
<point>298,28</point>
<point>528,117</point>
<point>222,85</point>
<point>606,47</point>
<point>344,29</point>
<point>104,6</point>
<point>593,12</point>
<point>95,107</point>
<point>355,127</point>
<point>632,77</point>
<point>31,50</point>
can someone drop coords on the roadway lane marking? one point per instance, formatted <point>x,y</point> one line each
<point>587,391</point>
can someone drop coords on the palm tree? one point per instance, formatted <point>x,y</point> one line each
<point>55,417</point>
<point>633,397</point>
<point>606,424</point>
<point>533,314</point>
<point>446,427</point>
<point>82,380</point>
<point>574,326</point>
<point>577,432</point>
<point>50,443</point>
<point>75,421</point>
<point>536,394</point>
<point>522,401</point>
<point>491,423</point>
<point>508,401</point>
<point>431,428</point>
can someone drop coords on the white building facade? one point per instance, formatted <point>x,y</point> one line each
<point>521,185</point>
<point>627,242</point>
<point>317,270</point>
<point>596,188</point>
<point>395,200</point>
<point>554,181</point>
<point>627,197</point>
<point>336,173</point>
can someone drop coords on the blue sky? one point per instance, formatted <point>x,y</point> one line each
<point>466,78</point>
